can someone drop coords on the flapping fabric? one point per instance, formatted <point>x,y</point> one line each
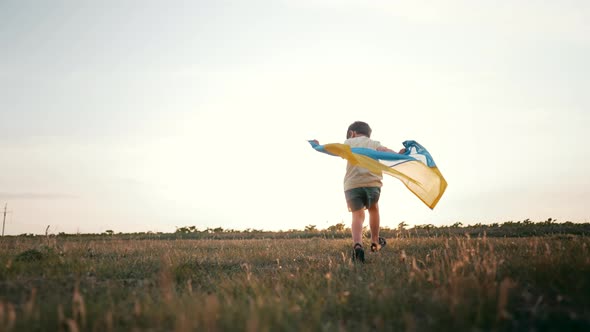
<point>415,168</point>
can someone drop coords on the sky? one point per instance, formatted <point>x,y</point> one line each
<point>138,116</point>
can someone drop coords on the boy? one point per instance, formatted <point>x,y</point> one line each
<point>362,190</point>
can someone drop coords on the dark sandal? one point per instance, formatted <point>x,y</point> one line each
<point>358,253</point>
<point>382,243</point>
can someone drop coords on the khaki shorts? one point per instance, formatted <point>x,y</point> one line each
<point>362,198</point>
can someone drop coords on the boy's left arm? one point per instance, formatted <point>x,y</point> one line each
<point>386,149</point>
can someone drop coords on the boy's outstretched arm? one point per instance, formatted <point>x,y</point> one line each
<point>386,149</point>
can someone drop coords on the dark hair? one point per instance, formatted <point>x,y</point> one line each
<point>360,127</point>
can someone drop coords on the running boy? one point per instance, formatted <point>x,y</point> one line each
<point>362,190</point>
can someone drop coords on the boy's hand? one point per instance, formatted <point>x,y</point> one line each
<point>402,151</point>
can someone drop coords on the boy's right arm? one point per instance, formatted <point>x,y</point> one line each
<point>384,149</point>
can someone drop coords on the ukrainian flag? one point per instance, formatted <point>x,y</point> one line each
<point>415,168</point>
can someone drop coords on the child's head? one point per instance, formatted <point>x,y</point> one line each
<point>360,128</point>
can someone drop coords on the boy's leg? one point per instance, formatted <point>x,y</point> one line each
<point>356,199</point>
<point>374,221</point>
<point>358,218</point>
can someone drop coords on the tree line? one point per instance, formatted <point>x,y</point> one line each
<point>521,228</point>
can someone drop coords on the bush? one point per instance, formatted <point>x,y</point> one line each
<point>31,255</point>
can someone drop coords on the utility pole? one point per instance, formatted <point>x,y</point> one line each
<point>4,219</point>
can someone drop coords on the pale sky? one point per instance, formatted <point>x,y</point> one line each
<point>146,115</point>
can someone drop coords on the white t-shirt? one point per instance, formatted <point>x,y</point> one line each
<point>357,176</point>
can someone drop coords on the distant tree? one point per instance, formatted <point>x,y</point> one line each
<point>311,228</point>
<point>426,227</point>
<point>457,224</point>
<point>339,227</point>
<point>182,230</point>
<point>109,232</point>
<point>402,226</point>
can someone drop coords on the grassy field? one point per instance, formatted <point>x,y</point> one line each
<point>419,284</point>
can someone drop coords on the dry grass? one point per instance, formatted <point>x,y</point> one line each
<point>292,285</point>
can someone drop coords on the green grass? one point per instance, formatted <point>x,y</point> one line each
<point>419,284</point>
